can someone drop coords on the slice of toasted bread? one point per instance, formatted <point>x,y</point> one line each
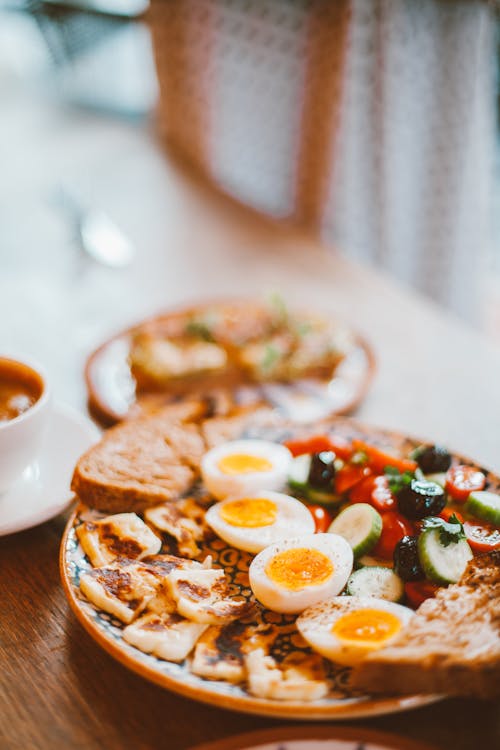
<point>142,462</point>
<point>150,460</point>
<point>451,645</point>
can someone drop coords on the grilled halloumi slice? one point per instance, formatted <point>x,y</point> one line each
<point>184,520</point>
<point>123,589</point>
<point>165,563</point>
<point>168,636</point>
<point>300,676</point>
<point>163,601</point>
<point>220,652</point>
<point>202,595</point>
<point>121,535</point>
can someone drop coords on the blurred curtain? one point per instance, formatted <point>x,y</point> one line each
<point>370,121</point>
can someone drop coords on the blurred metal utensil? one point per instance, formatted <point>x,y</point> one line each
<point>103,241</point>
<point>97,235</point>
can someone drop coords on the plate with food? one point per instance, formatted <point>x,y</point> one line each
<point>306,364</point>
<point>307,737</point>
<point>262,566</point>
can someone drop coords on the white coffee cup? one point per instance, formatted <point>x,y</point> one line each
<point>21,436</point>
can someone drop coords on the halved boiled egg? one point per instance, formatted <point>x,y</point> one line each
<point>297,573</point>
<point>243,467</point>
<point>252,523</point>
<point>348,628</point>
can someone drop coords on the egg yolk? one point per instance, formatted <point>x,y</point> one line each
<point>239,463</point>
<point>369,626</point>
<point>298,568</point>
<point>250,513</point>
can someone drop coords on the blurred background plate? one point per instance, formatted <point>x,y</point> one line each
<point>112,392</point>
<point>315,738</point>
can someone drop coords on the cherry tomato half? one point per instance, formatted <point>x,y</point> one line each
<point>319,443</point>
<point>448,512</point>
<point>322,518</point>
<point>394,528</point>
<point>379,459</point>
<point>418,591</point>
<point>482,537</point>
<point>362,491</point>
<point>382,497</point>
<point>348,476</point>
<point>375,491</point>
<point>462,480</point>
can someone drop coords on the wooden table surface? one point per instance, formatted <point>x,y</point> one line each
<point>435,378</point>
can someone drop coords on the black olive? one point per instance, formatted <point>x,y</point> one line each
<point>421,498</point>
<point>406,560</point>
<point>433,459</point>
<point>322,470</point>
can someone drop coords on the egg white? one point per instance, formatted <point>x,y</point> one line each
<point>278,597</point>
<point>222,485</point>
<point>292,518</point>
<point>316,623</point>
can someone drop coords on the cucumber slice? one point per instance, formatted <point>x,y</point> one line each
<point>361,525</point>
<point>442,564</point>
<point>299,472</point>
<point>297,479</point>
<point>321,498</point>
<point>439,478</point>
<point>484,505</point>
<point>382,583</point>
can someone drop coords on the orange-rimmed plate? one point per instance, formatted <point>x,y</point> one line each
<point>315,738</point>
<point>113,394</point>
<point>343,702</point>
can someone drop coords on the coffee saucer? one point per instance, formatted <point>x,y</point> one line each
<point>43,490</point>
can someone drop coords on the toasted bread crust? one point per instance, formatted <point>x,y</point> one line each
<point>451,646</point>
<point>142,462</point>
<point>151,460</point>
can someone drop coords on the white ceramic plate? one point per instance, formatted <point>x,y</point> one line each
<point>43,490</point>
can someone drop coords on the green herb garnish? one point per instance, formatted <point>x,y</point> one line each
<point>397,480</point>
<point>271,356</point>
<point>199,329</point>
<point>278,304</point>
<point>302,328</point>
<point>450,532</point>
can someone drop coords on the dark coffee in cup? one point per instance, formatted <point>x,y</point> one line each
<point>24,412</point>
<point>20,388</point>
